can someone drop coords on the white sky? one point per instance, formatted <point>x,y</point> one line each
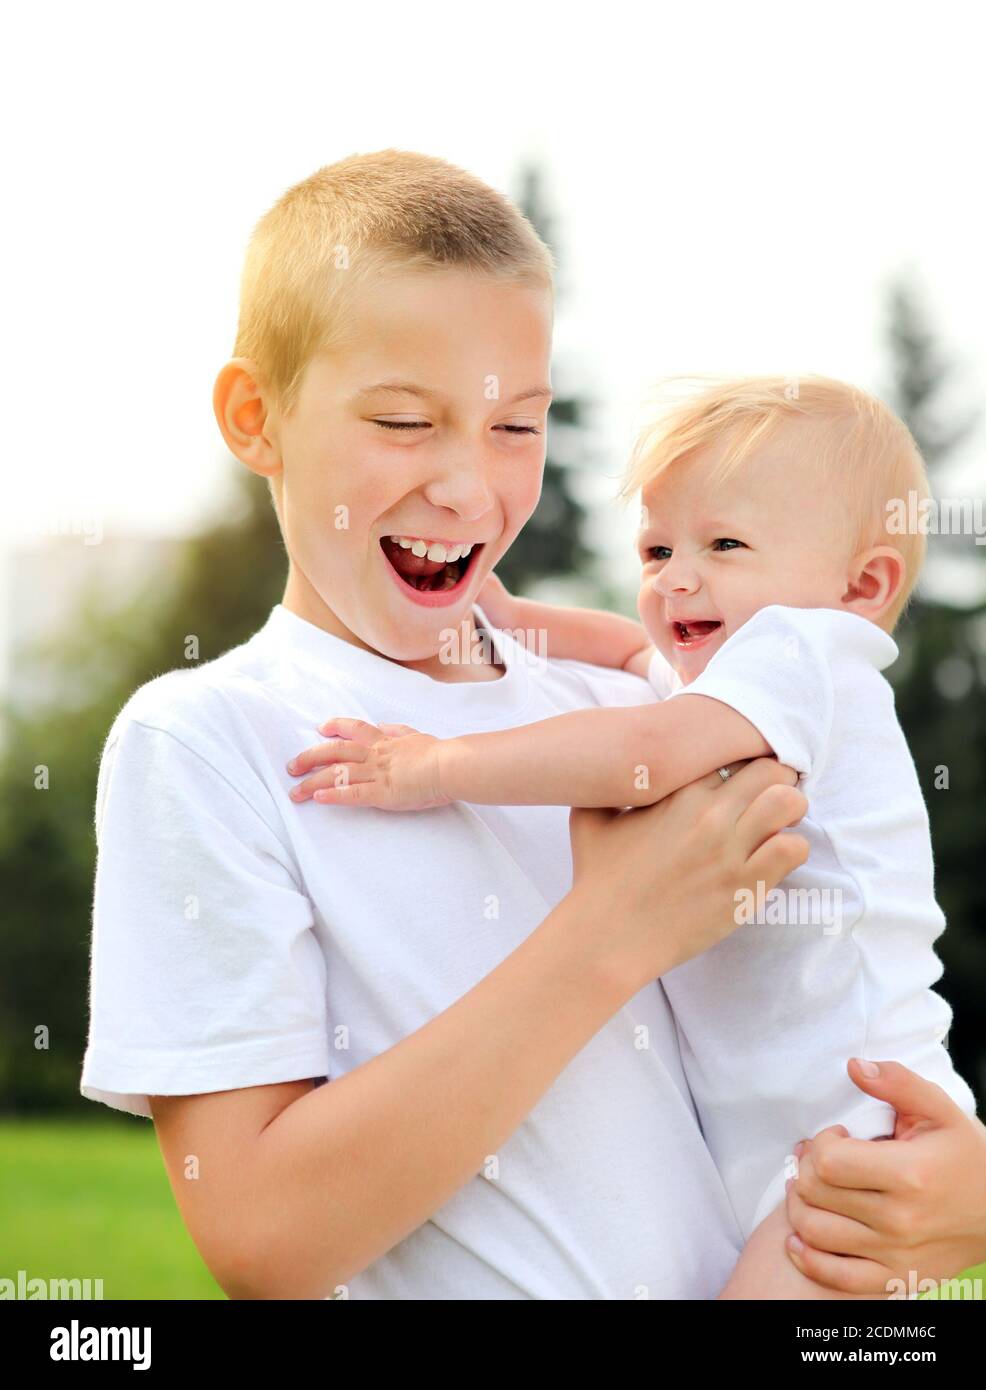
<point>733,186</point>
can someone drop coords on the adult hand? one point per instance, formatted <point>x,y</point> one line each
<point>908,1208</point>
<point>664,879</point>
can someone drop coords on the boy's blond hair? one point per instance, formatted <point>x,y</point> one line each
<point>368,215</point>
<point>856,443</point>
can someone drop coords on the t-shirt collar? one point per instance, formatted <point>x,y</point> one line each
<point>399,688</point>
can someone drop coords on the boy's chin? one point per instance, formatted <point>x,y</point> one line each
<point>423,634</point>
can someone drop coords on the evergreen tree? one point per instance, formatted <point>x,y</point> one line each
<point>552,543</point>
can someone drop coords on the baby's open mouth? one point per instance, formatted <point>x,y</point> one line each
<point>686,634</point>
<point>429,566</point>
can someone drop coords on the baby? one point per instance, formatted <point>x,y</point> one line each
<point>771,585</point>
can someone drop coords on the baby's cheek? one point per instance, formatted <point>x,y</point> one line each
<point>649,607</point>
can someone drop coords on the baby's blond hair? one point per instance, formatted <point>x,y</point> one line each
<point>856,442</point>
<point>367,215</point>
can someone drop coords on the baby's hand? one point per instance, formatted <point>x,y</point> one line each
<point>391,767</point>
<point>497,602</point>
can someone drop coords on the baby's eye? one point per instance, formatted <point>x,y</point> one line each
<point>727,542</point>
<point>519,429</point>
<point>658,552</point>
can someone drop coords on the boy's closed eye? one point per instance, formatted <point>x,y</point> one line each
<point>508,428</point>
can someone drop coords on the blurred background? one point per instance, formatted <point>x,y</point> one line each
<point>726,189</point>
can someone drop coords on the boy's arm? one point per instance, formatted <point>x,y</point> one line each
<point>630,756</point>
<point>573,634</point>
<point>298,1188</point>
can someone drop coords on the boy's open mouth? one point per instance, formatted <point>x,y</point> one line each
<point>430,567</point>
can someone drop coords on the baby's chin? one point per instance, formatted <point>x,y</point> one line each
<point>690,659</point>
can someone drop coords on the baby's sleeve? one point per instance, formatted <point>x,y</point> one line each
<point>775,671</point>
<point>205,972</point>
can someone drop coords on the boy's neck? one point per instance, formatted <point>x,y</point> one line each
<point>300,599</point>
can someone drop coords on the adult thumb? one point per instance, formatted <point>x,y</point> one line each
<point>912,1096</point>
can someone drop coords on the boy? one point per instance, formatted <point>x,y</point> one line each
<point>769,595</point>
<point>505,1114</point>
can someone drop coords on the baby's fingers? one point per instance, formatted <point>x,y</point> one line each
<point>333,779</point>
<point>357,729</point>
<point>322,754</point>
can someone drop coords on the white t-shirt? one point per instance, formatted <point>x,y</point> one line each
<point>839,960</point>
<point>241,939</point>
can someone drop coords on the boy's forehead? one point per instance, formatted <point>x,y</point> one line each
<point>423,333</point>
<point>398,389</point>
<point>421,299</point>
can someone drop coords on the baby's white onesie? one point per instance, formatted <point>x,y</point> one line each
<point>838,961</point>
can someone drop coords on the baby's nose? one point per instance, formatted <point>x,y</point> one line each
<point>679,580</point>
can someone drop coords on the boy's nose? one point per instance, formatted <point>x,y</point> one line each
<point>464,489</point>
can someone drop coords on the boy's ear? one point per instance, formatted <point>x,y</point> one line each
<point>243,417</point>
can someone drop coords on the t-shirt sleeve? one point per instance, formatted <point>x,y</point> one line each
<point>775,671</point>
<point>206,974</point>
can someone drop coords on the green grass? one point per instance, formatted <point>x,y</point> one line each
<point>90,1199</point>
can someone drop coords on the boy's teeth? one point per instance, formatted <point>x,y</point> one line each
<point>434,551</point>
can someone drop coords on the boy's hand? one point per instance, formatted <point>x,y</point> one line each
<point>391,767</point>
